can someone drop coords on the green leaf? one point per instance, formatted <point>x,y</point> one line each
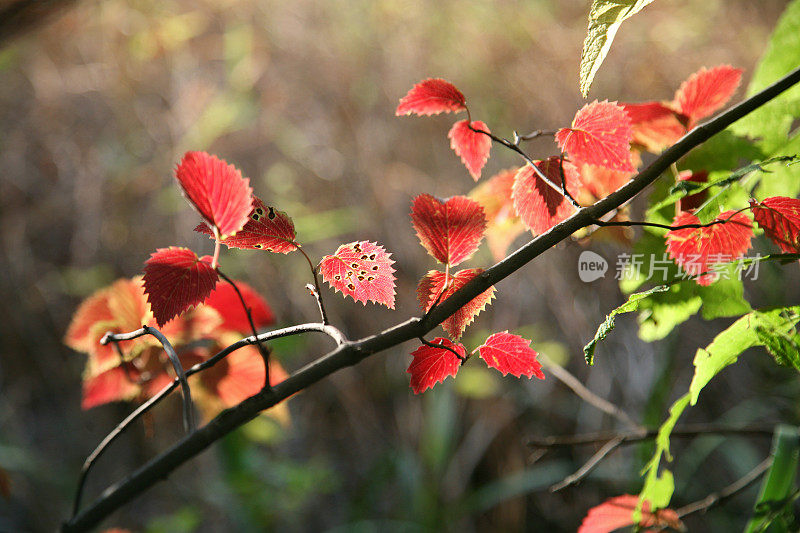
<point>725,297</point>
<point>632,304</point>
<point>785,181</point>
<point>660,314</point>
<point>771,123</point>
<point>724,350</point>
<point>783,347</point>
<point>605,18</point>
<point>773,505</point>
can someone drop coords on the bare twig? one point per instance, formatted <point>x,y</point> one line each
<point>533,135</point>
<point>589,465</point>
<point>318,292</point>
<point>629,223</point>
<point>315,293</point>
<point>350,353</point>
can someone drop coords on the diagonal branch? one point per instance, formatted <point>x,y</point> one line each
<point>350,353</point>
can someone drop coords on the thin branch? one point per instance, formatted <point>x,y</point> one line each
<point>588,466</point>
<point>318,297</point>
<point>629,223</point>
<point>350,353</point>
<point>318,293</point>
<point>533,135</point>
<point>563,375</point>
<point>462,358</point>
<point>263,350</point>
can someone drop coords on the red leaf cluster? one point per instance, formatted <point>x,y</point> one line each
<point>266,229</point>
<point>217,190</point>
<point>617,512</point>
<point>439,286</point>
<point>600,135</point>
<point>433,365</point>
<point>698,250</point>
<point>539,205</point>
<point>450,230</point>
<point>779,217</point>
<point>362,270</point>
<point>431,97</point>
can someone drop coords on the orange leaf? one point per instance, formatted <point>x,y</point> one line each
<point>617,512</point>
<point>706,91</point>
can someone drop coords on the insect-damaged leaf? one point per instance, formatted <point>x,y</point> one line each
<point>450,230</point>
<point>362,270</point>
<point>266,229</point>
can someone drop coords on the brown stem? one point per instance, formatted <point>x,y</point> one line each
<point>318,293</point>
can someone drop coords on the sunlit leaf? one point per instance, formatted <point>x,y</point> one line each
<point>436,283</point>
<point>472,147</point>
<point>655,126</point>
<point>433,365</point>
<point>450,230</point>
<point>539,205</point>
<point>617,512</point>
<point>511,354</point>
<point>266,229</point>
<point>362,270</point>
<point>600,135</point>
<point>226,302</point>
<point>779,217</point>
<point>431,97</point>
<point>503,224</point>
<point>706,91</point>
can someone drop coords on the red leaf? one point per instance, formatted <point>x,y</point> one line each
<point>452,230</point>
<point>433,283</point>
<point>511,354</point>
<point>362,270</point>
<point>432,365</point>
<point>697,250</point>
<point>176,279</point>
<point>600,135</point>
<point>217,190</point>
<point>472,147</point>
<point>539,205</point>
<point>655,125</point>
<point>617,512</point>
<point>502,223</point>
<point>600,182</point>
<point>706,91</point>
<point>226,302</point>
<point>779,217</point>
<point>266,229</point>
<point>431,97</point>
<point>240,375</point>
<point>693,201</point>
<point>110,386</point>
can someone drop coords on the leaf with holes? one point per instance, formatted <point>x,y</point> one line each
<point>511,354</point>
<point>175,279</point>
<point>655,126</point>
<point>450,230</point>
<point>226,302</point>
<point>502,223</point>
<point>698,250</point>
<point>539,204</point>
<point>472,147</point>
<point>217,190</point>
<point>362,270</point>
<point>779,217</point>
<point>266,229</point>
<point>617,512</point>
<point>600,135</point>
<point>431,97</point>
<point>706,91</point>
<point>433,284</point>
<point>432,365</point>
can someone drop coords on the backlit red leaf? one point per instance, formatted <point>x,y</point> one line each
<point>655,125</point>
<point>600,182</point>
<point>538,204</point>
<point>110,386</point>
<point>227,303</point>
<point>362,270</point>
<point>600,135</point>
<point>472,147</point>
<point>266,229</point>
<point>432,365</point>
<point>431,97</point>
<point>503,225</point>
<point>239,376</point>
<point>617,512</point>
<point>693,201</point>
<point>217,190</point>
<point>779,217</point>
<point>706,91</point>
<point>175,279</point>
<point>511,354</point>
<point>450,230</point>
<point>433,283</point>
<point>698,250</point>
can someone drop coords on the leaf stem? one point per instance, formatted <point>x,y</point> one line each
<point>318,292</point>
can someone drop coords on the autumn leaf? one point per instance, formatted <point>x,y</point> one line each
<point>779,217</point>
<point>655,126</point>
<point>433,283</point>
<point>450,230</point>
<point>109,386</point>
<point>431,97</point>
<point>511,354</point>
<point>698,250</point>
<point>227,303</point>
<point>600,182</point>
<point>472,147</point>
<point>362,270</point>
<point>538,204</point>
<point>617,512</point>
<point>266,229</point>
<point>433,365</point>
<point>217,190</point>
<point>175,279</point>
<point>706,91</point>
<point>600,135</point>
<point>502,223</point>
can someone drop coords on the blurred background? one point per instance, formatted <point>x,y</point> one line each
<point>98,104</point>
